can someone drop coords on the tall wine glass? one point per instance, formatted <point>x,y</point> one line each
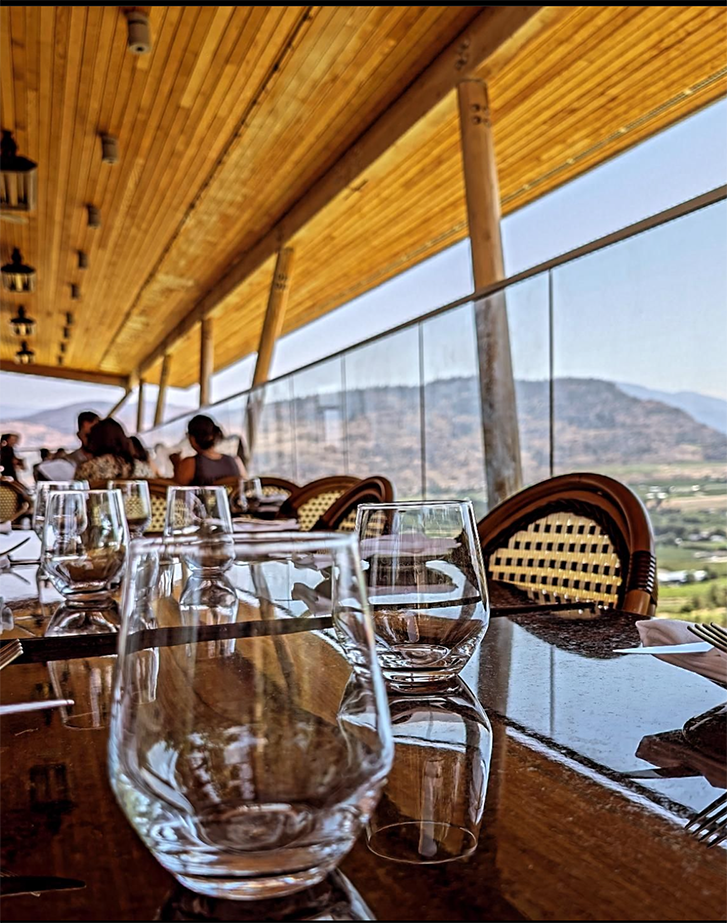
<point>137,504</point>
<point>85,538</point>
<point>252,772</point>
<point>426,585</point>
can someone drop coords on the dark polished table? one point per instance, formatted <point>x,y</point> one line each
<point>591,785</point>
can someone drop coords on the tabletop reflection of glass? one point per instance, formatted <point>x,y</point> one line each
<point>431,808</point>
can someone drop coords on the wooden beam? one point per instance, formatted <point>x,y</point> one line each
<point>120,403</point>
<point>497,387</point>
<point>162,393</point>
<point>274,315</point>
<point>491,40</point>
<point>54,371</point>
<point>140,408</point>
<point>206,361</point>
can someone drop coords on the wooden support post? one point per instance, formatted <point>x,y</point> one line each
<point>497,386</point>
<point>274,315</point>
<point>120,403</point>
<point>206,361</point>
<point>272,325</point>
<point>140,408</point>
<point>162,393</point>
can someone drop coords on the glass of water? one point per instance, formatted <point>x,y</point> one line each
<point>85,538</point>
<point>426,587</point>
<point>137,504</point>
<point>264,751</point>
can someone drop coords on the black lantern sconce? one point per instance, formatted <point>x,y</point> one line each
<point>22,324</point>
<point>17,277</point>
<point>94,216</point>
<point>18,189</point>
<point>109,149</point>
<point>82,259</point>
<point>75,291</point>
<point>24,356</point>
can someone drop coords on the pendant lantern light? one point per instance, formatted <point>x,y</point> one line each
<point>22,324</point>
<point>17,277</point>
<point>24,356</point>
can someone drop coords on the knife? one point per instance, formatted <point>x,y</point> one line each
<point>35,884</point>
<point>696,647</point>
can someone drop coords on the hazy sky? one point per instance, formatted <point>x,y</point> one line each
<point>652,311</point>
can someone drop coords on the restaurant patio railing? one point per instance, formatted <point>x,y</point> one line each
<point>406,404</point>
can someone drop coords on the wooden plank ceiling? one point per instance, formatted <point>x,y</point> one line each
<point>238,110</point>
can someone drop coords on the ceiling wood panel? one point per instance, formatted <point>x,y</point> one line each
<point>239,110</point>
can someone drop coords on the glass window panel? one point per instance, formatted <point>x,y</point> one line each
<point>319,421</point>
<point>274,451</point>
<point>383,412</point>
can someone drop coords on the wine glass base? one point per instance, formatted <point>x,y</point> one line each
<point>255,889</point>
<point>422,842</point>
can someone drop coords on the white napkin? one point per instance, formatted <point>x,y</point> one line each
<point>711,664</point>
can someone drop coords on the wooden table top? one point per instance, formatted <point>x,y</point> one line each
<point>591,786</point>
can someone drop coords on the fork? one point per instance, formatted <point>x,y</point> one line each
<point>710,825</point>
<point>9,651</point>
<point>715,634</point>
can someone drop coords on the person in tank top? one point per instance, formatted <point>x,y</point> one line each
<point>207,467</point>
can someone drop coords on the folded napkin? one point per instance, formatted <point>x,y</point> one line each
<point>711,664</point>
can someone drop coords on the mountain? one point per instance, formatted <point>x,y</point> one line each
<point>57,427</point>
<point>712,411</point>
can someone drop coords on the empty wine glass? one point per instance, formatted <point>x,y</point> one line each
<point>426,586</point>
<point>432,806</point>
<point>43,488</point>
<point>251,774</point>
<point>137,504</point>
<point>203,513</point>
<point>85,538</point>
<point>252,488</point>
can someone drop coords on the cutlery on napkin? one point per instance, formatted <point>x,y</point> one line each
<point>711,663</point>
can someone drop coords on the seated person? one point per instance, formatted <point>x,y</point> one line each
<point>86,422</point>
<point>9,461</point>
<point>144,467</point>
<point>112,455</point>
<point>208,466</point>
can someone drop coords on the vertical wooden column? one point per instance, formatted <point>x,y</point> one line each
<point>274,315</point>
<point>272,325</point>
<point>140,407</point>
<point>206,361</point>
<point>162,393</point>
<point>497,386</point>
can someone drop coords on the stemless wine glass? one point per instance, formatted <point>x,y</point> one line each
<point>432,806</point>
<point>253,489</point>
<point>426,586</point>
<point>204,513</point>
<point>43,488</point>
<point>137,504</point>
<point>251,774</point>
<point>85,538</point>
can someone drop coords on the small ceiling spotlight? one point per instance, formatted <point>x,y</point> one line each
<point>66,333</point>
<point>109,149</point>
<point>82,259</point>
<point>139,38</point>
<point>69,319</point>
<point>94,216</point>
<point>75,291</point>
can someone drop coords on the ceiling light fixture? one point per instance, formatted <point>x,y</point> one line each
<point>109,149</point>
<point>24,356</point>
<point>94,216</point>
<point>66,333</point>
<point>139,38</point>
<point>17,277</point>
<point>69,319</point>
<point>75,291</point>
<point>22,324</point>
<point>82,259</point>
<point>19,178</point>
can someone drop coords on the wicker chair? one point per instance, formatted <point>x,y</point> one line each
<point>274,486</point>
<point>158,495</point>
<point>578,536</point>
<point>14,502</point>
<point>312,500</point>
<point>341,514</point>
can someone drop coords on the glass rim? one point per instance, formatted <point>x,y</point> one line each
<point>193,486</point>
<point>89,490</point>
<point>258,543</point>
<point>413,504</point>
